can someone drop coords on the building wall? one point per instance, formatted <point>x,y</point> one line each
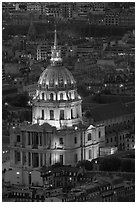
<point>33,147</point>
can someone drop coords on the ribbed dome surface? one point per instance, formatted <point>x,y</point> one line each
<point>56,77</point>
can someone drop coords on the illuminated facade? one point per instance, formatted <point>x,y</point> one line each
<point>56,133</point>
<point>56,101</point>
<point>33,146</point>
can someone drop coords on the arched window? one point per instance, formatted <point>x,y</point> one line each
<point>61,140</point>
<point>89,156</point>
<point>71,114</point>
<point>75,95</point>
<point>69,95</point>
<point>18,138</point>
<point>75,140</point>
<point>42,96</point>
<point>61,96</point>
<point>99,134</point>
<point>51,114</point>
<point>51,96</point>
<point>42,114</point>
<point>89,136</point>
<point>61,114</point>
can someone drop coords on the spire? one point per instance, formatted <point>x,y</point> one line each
<point>55,38</point>
<point>55,52</point>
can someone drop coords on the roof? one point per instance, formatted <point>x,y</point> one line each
<point>59,169</point>
<point>37,127</point>
<point>113,110</point>
<point>56,77</point>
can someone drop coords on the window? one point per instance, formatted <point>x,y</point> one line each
<point>61,96</point>
<point>75,94</point>
<point>61,114</point>
<point>42,114</point>
<point>69,95</point>
<point>51,115</point>
<point>61,140</point>
<point>75,158</point>
<point>18,138</point>
<point>18,156</point>
<point>99,134</point>
<point>107,141</point>
<point>51,96</point>
<point>28,138</point>
<point>111,139</point>
<point>71,114</point>
<point>61,159</point>
<point>89,136</point>
<point>89,154</point>
<point>40,139</point>
<point>75,140</point>
<point>42,96</point>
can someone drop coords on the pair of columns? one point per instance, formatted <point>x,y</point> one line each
<point>30,156</point>
<point>41,159</point>
<point>31,141</point>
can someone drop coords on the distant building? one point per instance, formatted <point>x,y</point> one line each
<point>19,18</point>
<point>117,17</point>
<point>59,176</point>
<point>43,52</point>
<point>32,6</point>
<point>30,89</point>
<point>102,189</point>
<point>8,90</point>
<point>3,73</point>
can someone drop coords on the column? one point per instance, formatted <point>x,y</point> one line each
<point>26,139</point>
<point>31,135</point>
<point>80,111</point>
<point>12,153</point>
<point>43,159</point>
<point>31,159</point>
<point>43,141</point>
<point>27,162</point>
<point>38,138</point>
<point>39,160</point>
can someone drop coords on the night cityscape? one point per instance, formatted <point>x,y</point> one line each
<point>68,101</point>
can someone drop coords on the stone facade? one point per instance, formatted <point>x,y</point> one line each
<point>34,146</point>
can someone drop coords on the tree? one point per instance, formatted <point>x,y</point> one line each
<point>82,90</point>
<point>110,164</point>
<point>21,100</point>
<point>128,165</point>
<point>58,164</point>
<point>86,164</point>
<point>88,114</point>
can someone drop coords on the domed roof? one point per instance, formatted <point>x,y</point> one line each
<point>56,77</point>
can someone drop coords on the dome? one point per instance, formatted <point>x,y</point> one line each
<point>56,77</point>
